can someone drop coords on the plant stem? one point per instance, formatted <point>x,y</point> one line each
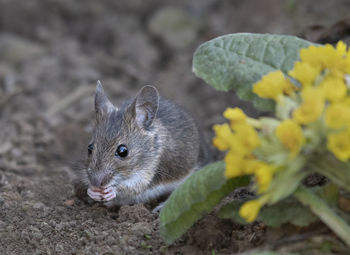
<point>254,122</point>
<point>326,214</point>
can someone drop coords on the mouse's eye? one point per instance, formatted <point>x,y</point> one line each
<point>90,148</point>
<point>122,151</point>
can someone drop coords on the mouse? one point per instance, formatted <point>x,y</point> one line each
<point>140,150</point>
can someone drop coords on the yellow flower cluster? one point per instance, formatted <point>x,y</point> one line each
<point>322,72</point>
<point>321,97</point>
<point>241,139</point>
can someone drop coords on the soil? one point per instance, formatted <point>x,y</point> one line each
<point>51,55</point>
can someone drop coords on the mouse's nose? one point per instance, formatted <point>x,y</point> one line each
<point>101,178</point>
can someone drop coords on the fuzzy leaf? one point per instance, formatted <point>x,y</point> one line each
<point>237,61</point>
<point>285,211</point>
<point>199,194</point>
<point>329,193</point>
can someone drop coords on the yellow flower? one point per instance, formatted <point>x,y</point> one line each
<point>327,57</point>
<point>312,56</point>
<point>234,165</point>
<point>338,115</point>
<point>289,87</point>
<point>339,144</point>
<point>247,138</point>
<point>341,48</point>
<point>312,106</point>
<point>333,87</point>
<point>242,141</point>
<point>224,137</point>
<point>263,175</point>
<point>346,101</point>
<point>347,63</point>
<point>273,85</point>
<point>305,73</point>
<point>291,136</point>
<point>235,115</point>
<point>250,209</point>
<point>251,166</point>
<point>344,63</point>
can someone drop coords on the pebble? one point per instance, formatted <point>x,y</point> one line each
<point>69,202</point>
<point>59,248</point>
<point>39,205</point>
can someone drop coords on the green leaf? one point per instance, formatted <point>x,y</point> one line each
<point>199,194</point>
<point>285,211</point>
<point>237,61</point>
<point>329,192</point>
<point>230,211</point>
<point>320,208</point>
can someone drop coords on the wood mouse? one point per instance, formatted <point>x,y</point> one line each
<point>139,151</point>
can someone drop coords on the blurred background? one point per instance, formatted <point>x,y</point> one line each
<point>53,52</point>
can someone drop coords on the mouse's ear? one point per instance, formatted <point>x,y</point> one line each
<point>102,105</point>
<point>146,106</point>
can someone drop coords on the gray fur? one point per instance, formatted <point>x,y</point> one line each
<point>163,141</point>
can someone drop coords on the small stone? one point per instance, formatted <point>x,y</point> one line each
<point>42,210</point>
<point>44,241</point>
<point>111,241</point>
<point>69,202</point>
<point>37,235</point>
<point>59,248</point>
<point>88,234</point>
<point>28,194</point>
<point>72,223</point>
<point>59,226</point>
<point>39,205</point>
<point>45,226</point>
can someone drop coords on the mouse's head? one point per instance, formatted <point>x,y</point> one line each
<point>125,143</point>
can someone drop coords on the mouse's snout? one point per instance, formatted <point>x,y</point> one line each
<point>100,179</point>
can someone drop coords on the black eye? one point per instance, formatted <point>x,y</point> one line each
<point>122,151</point>
<point>90,148</point>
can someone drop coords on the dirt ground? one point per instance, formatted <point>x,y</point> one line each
<point>51,55</point>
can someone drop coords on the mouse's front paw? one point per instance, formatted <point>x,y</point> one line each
<point>101,194</point>
<point>109,193</point>
<point>95,193</point>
